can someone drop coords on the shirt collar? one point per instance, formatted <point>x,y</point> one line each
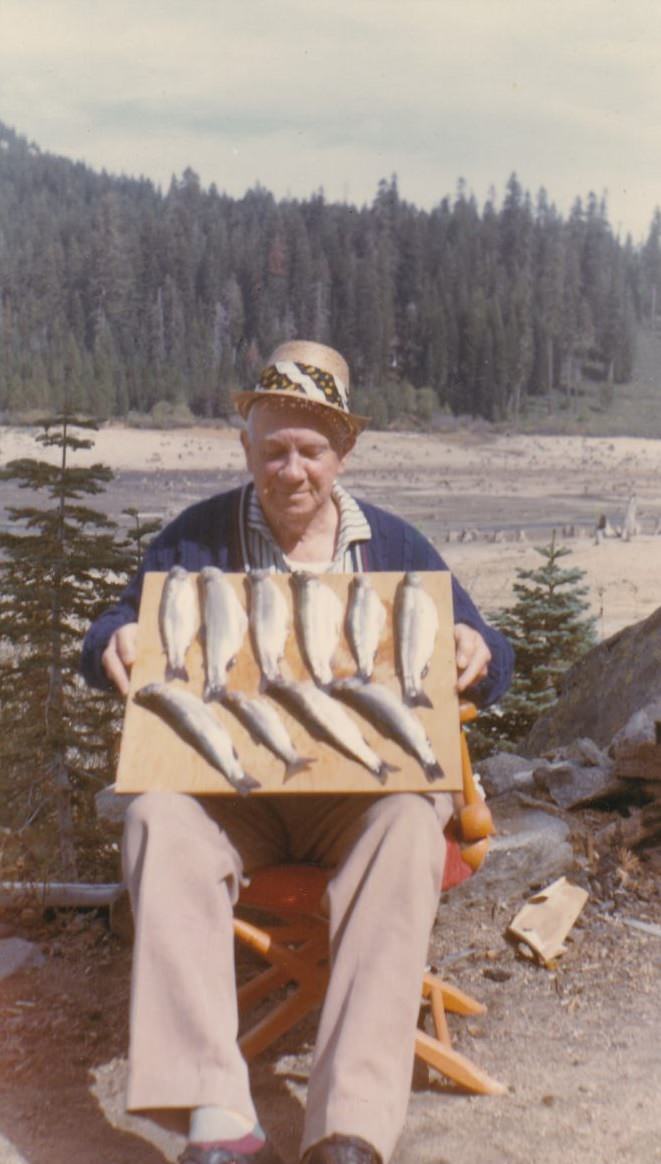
<point>353,525</point>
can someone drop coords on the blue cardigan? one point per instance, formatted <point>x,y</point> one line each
<point>207,533</point>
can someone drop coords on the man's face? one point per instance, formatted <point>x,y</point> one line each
<point>294,463</point>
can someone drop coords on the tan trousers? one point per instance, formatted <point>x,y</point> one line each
<point>183,858</point>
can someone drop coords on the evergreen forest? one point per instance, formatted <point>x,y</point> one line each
<point>116,297</point>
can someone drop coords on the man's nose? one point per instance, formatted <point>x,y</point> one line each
<point>292,468</point>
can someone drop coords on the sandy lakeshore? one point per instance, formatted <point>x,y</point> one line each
<point>484,499</point>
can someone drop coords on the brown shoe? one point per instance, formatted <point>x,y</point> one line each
<point>339,1149</point>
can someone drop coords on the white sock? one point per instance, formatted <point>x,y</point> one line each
<point>210,1125</point>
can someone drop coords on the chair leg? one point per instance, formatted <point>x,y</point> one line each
<point>457,1067</point>
<point>304,963</point>
<point>438,1052</point>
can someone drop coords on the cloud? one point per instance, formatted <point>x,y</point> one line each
<point>340,94</point>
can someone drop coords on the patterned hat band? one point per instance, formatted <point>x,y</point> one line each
<point>304,380</point>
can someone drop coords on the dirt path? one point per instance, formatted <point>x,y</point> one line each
<point>578,1046</point>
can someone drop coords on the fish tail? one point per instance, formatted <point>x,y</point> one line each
<point>214,692</point>
<point>418,699</point>
<point>299,765</point>
<point>173,672</point>
<point>433,771</point>
<point>247,785</point>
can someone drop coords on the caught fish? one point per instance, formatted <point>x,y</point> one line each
<point>366,618</point>
<point>416,621</point>
<point>198,726</point>
<point>269,623</point>
<point>265,725</point>
<point>385,710</point>
<point>177,617</point>
<point>319,615</point>
<point>225,625</point>
<point>325,718</point>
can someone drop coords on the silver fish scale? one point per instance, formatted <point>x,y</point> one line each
<point>320,615</point>
<point>195,722</point>
<point>269,622</point>
<point>225,623</point>
<point>177,617</point>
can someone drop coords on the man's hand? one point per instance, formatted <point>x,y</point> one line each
<point>119,655</point>
<point>473,656</point>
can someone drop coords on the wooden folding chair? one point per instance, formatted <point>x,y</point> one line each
<point>295,946</point>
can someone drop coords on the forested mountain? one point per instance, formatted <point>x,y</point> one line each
<point>114,296</point>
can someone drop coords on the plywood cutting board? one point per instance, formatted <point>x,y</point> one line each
<point>153,756</point>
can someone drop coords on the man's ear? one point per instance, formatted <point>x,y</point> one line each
<point>245,441</point>
<point>344,454</point>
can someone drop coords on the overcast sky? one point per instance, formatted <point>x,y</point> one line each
<point>302,94</point>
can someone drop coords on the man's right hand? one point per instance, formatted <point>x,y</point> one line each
<point>119,655</point>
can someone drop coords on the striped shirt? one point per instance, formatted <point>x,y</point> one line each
<point>260,550</point>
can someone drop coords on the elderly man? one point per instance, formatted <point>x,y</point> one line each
<point>184,856</point>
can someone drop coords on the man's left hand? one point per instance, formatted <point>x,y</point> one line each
<point>473,656</point>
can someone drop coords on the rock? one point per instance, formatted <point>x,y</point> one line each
<point>640,728</point>
<point>530,848</point>
<point>504,771</point>
<point>570,785</point>
<point>584,751</point>
<point>604,689</point>
<point>18,954</point>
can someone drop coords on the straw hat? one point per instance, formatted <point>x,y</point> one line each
<point>308,374</point>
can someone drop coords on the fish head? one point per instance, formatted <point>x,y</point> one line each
<point>179,572</point>
<point>148,692</point>
<point>209,573</point>
<point>302,578</point>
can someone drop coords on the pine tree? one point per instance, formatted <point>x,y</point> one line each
<point>549,629</point>
<point>55,736</point>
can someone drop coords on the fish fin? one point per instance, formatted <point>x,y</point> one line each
<point>384,769</point>
<point>299,765</point>
<point>176,673</point>
<point>434,771</point>
<point>247,785</point>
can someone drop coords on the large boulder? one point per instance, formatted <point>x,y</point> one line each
<point>601,691</point>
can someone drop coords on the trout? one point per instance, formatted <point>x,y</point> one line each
<point>327,720</point>
<point>269,624</point>
<point>319,615</point>
<point>386,711</point>
<point>177,617</point>
<point>197,726</point>
<point>366,618</point>
<point>416,622</point>
<point>225,626</point>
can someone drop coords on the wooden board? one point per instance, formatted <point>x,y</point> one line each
<point>153,756</point>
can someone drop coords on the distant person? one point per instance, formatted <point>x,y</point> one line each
<point>184,856</point>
